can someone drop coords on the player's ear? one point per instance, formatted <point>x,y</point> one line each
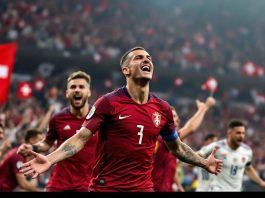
<point>125,71</point>
<point>66,94</point>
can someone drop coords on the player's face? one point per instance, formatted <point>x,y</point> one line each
<point>237,135</point>
<point>140,65</point>
<point>78,92</point>
<point>36,139</point>
<point>176,119</point>
<point>211,140</point>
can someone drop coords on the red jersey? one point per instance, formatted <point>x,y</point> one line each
<point>127,133</point>
<point>9,167</point>
<point>164,168</point>
<point>73,173</point>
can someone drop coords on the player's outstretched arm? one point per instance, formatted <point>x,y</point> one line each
<point>253,175</point>
<point>195,121</point>
<point>186,154</point>
<point>70,147</point>
<point>41,146</point>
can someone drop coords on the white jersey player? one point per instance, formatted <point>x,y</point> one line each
<point>236,157</point>
<point>203,177</point>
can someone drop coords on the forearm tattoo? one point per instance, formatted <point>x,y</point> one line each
<point>69,149</point>
<point>186,154</point>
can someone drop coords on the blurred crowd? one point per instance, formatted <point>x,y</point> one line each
<point>176,34</point>
<point>203,35</point>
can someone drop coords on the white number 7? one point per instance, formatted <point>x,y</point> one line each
<point>140,133</point>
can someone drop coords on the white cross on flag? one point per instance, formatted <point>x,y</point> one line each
<point>250,69</point>
<point>210,85</point>
<point>39,85</point>
<point>24,90</point>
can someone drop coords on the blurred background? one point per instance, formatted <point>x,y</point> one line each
<point>191,41</point>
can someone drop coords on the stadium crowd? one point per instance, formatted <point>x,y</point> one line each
<point>189,40</point>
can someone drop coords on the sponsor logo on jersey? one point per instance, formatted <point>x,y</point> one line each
<point>67,127</point>
<point>91,112</point>
<point>123,117</point>
<point>156,117</point>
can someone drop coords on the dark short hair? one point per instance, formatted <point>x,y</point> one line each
<point>236,123</point>
<point>79,74</point>
<point>125,55</point>
<point>209,136</point>
<point>31,133</point>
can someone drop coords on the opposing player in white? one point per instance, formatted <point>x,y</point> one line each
<point>203,177</point>
<point>236,157</point>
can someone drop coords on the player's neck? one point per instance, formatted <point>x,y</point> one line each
<point>80,113</point>
<point>232,145</point>
<point>138,93</point>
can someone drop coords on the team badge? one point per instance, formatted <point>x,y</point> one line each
<point>156,117</point>
<point>91,113</point>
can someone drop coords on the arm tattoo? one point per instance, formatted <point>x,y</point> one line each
<point>186,154</point>
<point>84,138</point>
<point>69,149</point>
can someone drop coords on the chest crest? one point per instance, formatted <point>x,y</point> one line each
<point>156,117</point>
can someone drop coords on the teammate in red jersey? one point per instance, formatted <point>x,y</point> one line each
<point>10,177</point>
<point>72,174</point>
<point>165,162</point>
<point>128,121</point>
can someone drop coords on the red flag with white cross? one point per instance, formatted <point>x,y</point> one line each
<point>7,59</point>
<point>24,90</point>
<point>210,85</point>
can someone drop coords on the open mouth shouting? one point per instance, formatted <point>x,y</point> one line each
<point>77,99</point>
<point>146,68</point>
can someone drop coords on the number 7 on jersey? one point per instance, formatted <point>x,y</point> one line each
<point>140,133</point>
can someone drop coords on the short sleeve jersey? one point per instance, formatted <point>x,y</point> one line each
<point>9,167</point>
<point>234,162</point>
<point>127,133</point>
<point>74,172</point>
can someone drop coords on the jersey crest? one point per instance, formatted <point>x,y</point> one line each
<point>156,117</point>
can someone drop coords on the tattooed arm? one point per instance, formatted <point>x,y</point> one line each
<point>69,148</point>
<point>186,154</point>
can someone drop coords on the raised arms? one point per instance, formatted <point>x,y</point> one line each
<point>70,147</point>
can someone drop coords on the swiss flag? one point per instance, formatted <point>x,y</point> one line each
<point>24,90</point>
<point>39,85</point>
<point>210,85</point>
<point>7,59</point>
<point>178,82</point>
<point>251,69</point>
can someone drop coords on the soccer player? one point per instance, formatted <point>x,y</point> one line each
<point>128,121</point>
<point>236,157</point>
<point>203,177</point>
<point>74,173</point>
<point>5,145</point>
<point>10,177</point>
<point>165,162</point>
